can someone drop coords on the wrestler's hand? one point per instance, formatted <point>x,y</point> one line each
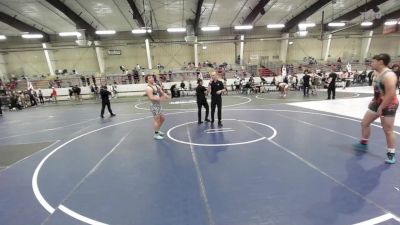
<point>379,112</point>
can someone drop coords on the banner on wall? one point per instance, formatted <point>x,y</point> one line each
<point>389,29</point>
<point>254,59</point>
<point>114,52</point>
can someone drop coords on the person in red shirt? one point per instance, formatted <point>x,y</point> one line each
<point>54,94</point>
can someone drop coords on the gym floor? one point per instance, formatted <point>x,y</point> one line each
<point>275,161</point>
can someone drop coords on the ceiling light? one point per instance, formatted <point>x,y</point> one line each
<point>366,23</point>
<point>290,42</point>
<point>210,28</point>
<point>390,23</point>
<point>272,26</point>
<point>176,29</point>
<point>68,34</point>
<point>305,25</point>
<point>32,36</point>
<point>105,32</point>
<point>140,31</point>
<point>3,37</point>
<point>244,27</point>
<point>336,24</point>
<point>204,47</point>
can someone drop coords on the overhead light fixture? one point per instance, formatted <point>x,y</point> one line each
<point>290,42</point>
<point>32,36</point>
<point>100,32</point>
<point>302,33</point>
<point>366,24</point>
<point>176,29</point>
<point>390,23</point>
<point>3,37</point>
<point>334,24</point>
<point>70,34</point>
<point>210,28</point>
<point>141,31</point>
<point>274,26</point>
<point>243,27</point>
<point>204,47</point>
<point>305,25</point>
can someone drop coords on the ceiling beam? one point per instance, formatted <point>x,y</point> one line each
<point>357,12</point>
<point>197,18</point>
<point>382,20</point>
<point>138,17</point>
<point>305,14</point>
<point>259,9</point>
<point>19,25</point>
<point>80,23</point>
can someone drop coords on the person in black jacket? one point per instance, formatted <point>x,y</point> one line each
<point>201,92</point>
<point>306,83</point>
<point>332,85</point>
<point>216,88</point>
<point>105,101</point>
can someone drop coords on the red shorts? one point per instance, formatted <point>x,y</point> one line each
<point>389,110</point>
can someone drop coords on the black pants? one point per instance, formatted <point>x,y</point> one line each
<point>33,101</point>
<point>331,91</point>
<point>103,106</point>
<point>304,89</point>
<point>41,99</point>
<point>201,103</point>
<point>216,102</point>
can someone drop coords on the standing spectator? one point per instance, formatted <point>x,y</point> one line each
<point>216,88</point>
<point>201,92</point>
<point>105,101</point>
<point>306,83</point>
<point>54,95</point>
<point>130,78</point>
<point>83,80</point>
<point>41,99</point>
<point>32,97</point>
<point>94,80</point>
<point>136,77</point>
<point>332,85</point>
<point>114,89</point>
<point>370,77</point>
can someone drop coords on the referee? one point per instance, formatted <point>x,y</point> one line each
<point>216,88</point>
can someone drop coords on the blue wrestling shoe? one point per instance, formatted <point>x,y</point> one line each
<point>391,158</point>
<point>360,147</point>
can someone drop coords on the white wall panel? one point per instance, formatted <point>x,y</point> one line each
<point>218,52</point>
<point>172,55</point>
<point>82,59</point>
<point>26,63</point>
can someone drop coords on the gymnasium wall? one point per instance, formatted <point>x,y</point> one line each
<point>26,63</point>
<point>82,59</point>
<point>218,52</point>
<point>130,56</point>
<point>267,49</point>
<point>170,55</point>
<point>173,55</point>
